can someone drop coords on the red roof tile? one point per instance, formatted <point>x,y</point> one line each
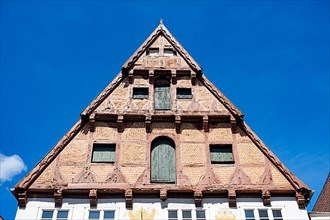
<point>323,202</point>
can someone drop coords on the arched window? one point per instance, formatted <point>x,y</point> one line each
<point>163,160</point>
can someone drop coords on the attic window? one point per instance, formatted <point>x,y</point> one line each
<point>183,93</point>
<point>103,153</point>
<point>140,93</point>
<point>221,153</point>
<point>153,52</point>
<point>169,52</point>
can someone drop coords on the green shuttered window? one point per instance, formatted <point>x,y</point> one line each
<point>162,95</point>
<point>163,161</point>
<point>221,153</point>
<point>103,153</point>
<point>140,93</point>
<point>183,93</point>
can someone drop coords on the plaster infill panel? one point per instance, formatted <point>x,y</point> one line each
<point>133,153</point>
<point>278,177</point>
<point>250,154</point>
<point>101,171</point>
<point>105,131</point>
<point>45,179</point>
<point>134,132</point>
<point>220,132</point>
<point>117,100</point>
<point>192,154</point>
<point>132,173</point>
<point>193,173</point>
<point>189,132</point>
<point>224,172</point>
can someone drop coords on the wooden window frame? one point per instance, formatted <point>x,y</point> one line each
<point>153,54</point>
<point>179,92</point>
<point>216,148</point>
<point>144,90</point>
<point>99,145</point>
<point>169,54</point>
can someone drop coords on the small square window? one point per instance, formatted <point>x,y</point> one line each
<point>169,52</point>
<point>249,215</point>
<point>221,153</point>
<point>109,215</point>
<point>186,214</point>
<point>183,93</point>
<point>103,153</point>
<point>153,52</point>
<point>277,214</point>
<point>200,214</point>
<point>140,93</point>
<point>47,214</point>
<point>94,215</point>
<point>172,215</point>
<point>62,215</point>
<point>263,214</point>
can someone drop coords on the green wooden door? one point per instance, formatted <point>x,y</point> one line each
<point>163,161</point>
<point>162,95</point>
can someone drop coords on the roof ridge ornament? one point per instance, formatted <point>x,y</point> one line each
<point>161,24</point>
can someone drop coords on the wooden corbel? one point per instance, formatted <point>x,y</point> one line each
<point>233,124</point>
<point>58,197</point>
<point>151,77</point>
<point>129,198</point>
<point>193,78</point>
<point>301,201</point>
<point>130,77</point>
<point>173,77</point>
<point>93,197</point>
<point>148,124</point>
<point>232,198</point>
<point>22,199</point>
<point>206,123</point>
<point>198,198</point>
<point>178,124</point>
<point>91,123</point>
<point>266,197</point>
<point>120,123</point>
<point>163,194</point>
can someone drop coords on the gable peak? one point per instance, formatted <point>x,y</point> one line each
<point>162,30</point>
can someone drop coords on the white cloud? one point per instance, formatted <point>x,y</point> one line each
<point>10,166</point>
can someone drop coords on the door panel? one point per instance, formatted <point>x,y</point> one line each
<point>162,97</point>
<point>163,162</point>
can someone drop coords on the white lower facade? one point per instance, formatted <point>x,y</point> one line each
<point>285,208</point>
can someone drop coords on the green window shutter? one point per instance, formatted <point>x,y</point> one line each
<point>162,97</point>
<point>103,152</point>
<point>163,161</point>
<point>221,154</point>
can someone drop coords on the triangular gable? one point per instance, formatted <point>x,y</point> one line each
<point>161,29</point>
<point>26,182</point>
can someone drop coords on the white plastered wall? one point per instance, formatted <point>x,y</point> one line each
<point>214,208</point>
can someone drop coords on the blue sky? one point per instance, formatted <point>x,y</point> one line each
<point>270,58</point>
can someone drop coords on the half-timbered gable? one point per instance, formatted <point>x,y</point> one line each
<point>161,141</point>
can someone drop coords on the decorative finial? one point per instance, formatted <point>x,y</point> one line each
<point>161,21</point>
